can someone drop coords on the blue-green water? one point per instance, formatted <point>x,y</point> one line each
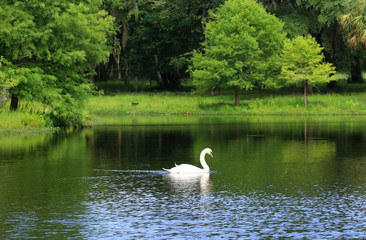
<point>301,178</point>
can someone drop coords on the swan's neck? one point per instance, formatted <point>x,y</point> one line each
<point>203,162</point>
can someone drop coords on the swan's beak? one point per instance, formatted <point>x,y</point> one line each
<point>211,154</point>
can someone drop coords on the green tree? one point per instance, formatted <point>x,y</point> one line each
<point>302,62</point>
<point>6,81</point>
<point>50,49</point>
<point>241,51</point>
<point>153,38</point>
<point>123,12</point>
<point>158,41</point>
<point>328,33</point>
<point>353,24</point>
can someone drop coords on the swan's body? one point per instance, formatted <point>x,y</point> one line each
<point>188,168</point>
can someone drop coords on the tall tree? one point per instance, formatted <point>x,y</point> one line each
<point>241,51</point>
<point>123,12</point>
<point>50,48</point>
<point>320,18</point>
<point>353,24</point>
<point>329,35</point>
<point>153,38</point>
<point>302,62</point>
<point>167,30</point>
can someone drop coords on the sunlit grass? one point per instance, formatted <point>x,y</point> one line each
<point>318,104</point>
<point>155,104</point>
<point>187,104</point>
<point>10,120</point>
<point>20,122</point>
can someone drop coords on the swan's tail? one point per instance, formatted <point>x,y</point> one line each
<point>169,170</point>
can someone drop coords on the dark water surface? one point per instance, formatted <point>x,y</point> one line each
<point>272,177</point>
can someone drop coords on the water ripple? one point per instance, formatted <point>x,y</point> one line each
<point>149,205</point>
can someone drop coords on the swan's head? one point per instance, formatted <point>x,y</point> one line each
<point>208,151</point>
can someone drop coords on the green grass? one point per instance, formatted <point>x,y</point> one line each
<point>329,104</point>
<point>21,122</point>
<point>154,104</point>
<point>187,104</point>
<point>18,119</point>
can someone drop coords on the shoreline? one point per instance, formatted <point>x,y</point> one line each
<point>160,104</point>
<point>26,131</point>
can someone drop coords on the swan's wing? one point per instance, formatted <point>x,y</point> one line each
<point>184,168</point>
<point>172,169</point>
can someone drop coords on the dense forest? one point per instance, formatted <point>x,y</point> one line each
<point>154,39</point>
<point>52,51</point>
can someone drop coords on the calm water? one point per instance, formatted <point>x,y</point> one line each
<point>271,178</point>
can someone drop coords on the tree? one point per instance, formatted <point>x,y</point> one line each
<point>241,51</point>
<point>49,49</point>
<point>167,30</point>
<point>6,82</point>
<point>302,62</point>
<point>320,18</point>
<point>153,39</point>
<point>353,24</point>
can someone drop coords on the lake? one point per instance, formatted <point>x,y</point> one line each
<point>271,177</point>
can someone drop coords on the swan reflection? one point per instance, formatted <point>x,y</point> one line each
<point>188,183</point>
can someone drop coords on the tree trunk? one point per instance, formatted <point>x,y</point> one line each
<point>91,75</point>
<point>136,83</point>
<point>293,88</point>
<point>204,18</point>
<point>309,88</point>
<point>117,56</point>
<point>305,88</point>
<point>356,75</point>
<point>237,90</point>
<point>160,77</point>
<point>274,4</point>
<point>124,39</point>
<point>111,72</point>
<point>126,73</point>
<point>119,75</point>
<point>14,102</point>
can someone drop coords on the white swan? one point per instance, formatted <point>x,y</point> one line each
<point>188,168</point>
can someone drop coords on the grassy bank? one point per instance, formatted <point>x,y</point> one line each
<point>330,104</point>
<point>185,104</point>
<point>21,122</point>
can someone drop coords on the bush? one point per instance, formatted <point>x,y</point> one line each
<point>33,120</point>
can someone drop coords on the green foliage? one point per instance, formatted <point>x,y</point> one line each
<point>302,61</point>
<point>29,83</point>
<point>353,23</point>
<point>48,51</point>
<point>326,11</point>
<point>157,40</point>
<point>7,81</point>
<point>295,24</point>
<point>242,48</point>
<point>320,18</point>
